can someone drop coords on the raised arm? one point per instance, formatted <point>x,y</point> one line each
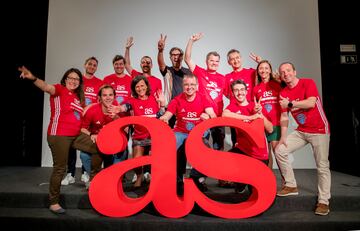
<point>160,56</point>
<point>255,57</point>
<point>26,74</point>
<point>188,60</point>
<point>129,43</point>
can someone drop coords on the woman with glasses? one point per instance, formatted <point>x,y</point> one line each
<point>66,104</point>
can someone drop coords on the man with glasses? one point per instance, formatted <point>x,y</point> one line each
<point>173,76</point>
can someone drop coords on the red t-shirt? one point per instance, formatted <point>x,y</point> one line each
<point>66,111</point>
<point>311,120</point>
<point>122,86</point>
<point>269,93</point>
<point>247,75</point>
<point>91,89</point>
<point>187,113</point>
<point>148,108</point>
<point>242,142</point>
<point>212,86</point>
<point>95,119</point>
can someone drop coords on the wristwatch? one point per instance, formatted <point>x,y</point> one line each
<point>290,105</point>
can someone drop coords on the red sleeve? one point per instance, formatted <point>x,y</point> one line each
<point>227,87</point>
<point>135,73</point>
<point>172,106</point>
<point>310,89</point>
<point>58,89</point>
<point>86,119</point>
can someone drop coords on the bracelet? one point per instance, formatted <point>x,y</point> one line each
<point>34,80</point>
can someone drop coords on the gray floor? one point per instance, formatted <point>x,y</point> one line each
<point>35,180</point>
<point>24,190</point>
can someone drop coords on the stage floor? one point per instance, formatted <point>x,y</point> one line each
<point>24,191</point>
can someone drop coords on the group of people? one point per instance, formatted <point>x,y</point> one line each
<point>84,103</point>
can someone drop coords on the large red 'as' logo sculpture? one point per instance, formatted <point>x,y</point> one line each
<point>106,191</point>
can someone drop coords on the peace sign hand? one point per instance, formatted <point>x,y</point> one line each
<point>258,106</point>
<point>161,42</point>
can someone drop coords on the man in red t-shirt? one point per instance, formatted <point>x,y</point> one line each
<point>92,85</point>
<point>241,109</point>
<point>211,84</point>
<point>190,109</point>
<point>301,98</point>
<point>248,75</point>
<point>95,117</point>
<point>146,66</point>
<point>119,80</point>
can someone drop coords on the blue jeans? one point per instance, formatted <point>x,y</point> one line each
<point>181,156</point>
<point>86,159</point>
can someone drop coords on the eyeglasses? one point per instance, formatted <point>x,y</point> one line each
<point>189,84</point>
<point>239,90</point>
<point>73,79</point>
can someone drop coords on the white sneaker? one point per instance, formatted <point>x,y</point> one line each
<point>147,177</point>
<point>68,179</point>
<point>85,177</point>
<point>134,178</point>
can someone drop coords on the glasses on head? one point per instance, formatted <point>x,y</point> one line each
<point>73,79</point>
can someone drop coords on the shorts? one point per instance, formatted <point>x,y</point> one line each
<point>275,135</point>
<point>143,142</point>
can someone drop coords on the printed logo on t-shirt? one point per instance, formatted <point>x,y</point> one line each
<point>214,94</point>
<point>301,118</point>
<point>191,115</point>
<point>119,99</point>
<point>89,89</point>
<point>120,88</point>
<point>189,126</point>
<point>148,111</point>
<point>268,107</point>
<point>88,101</point>
<point>267,94</point>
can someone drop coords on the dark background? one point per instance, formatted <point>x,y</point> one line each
<point>25,40</point>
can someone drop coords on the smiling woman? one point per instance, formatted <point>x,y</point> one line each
<point>66,104</point>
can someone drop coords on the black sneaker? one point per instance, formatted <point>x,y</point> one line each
<point>201,185</point>
<point>240,188</point>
